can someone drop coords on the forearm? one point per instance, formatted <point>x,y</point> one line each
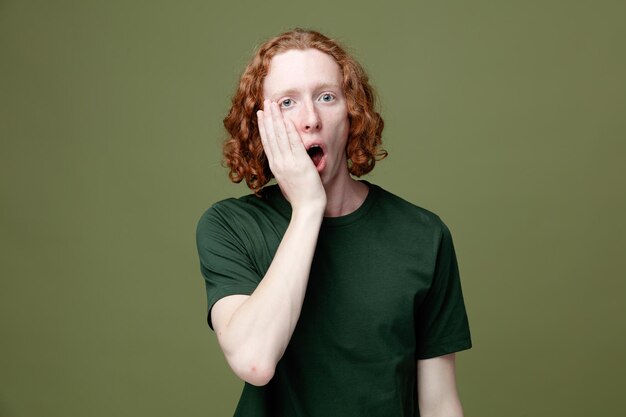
<point>259,330</point>
<point>446,408</point>
<point>436,387</point>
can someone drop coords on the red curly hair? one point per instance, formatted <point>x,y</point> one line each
<point>243,151</point>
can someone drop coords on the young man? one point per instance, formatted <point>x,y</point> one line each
<point>329,296</point>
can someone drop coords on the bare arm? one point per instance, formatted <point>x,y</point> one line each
<point>436,387</point>
<point>254,331</point>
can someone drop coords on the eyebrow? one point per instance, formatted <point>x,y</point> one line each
<point>292,91</point>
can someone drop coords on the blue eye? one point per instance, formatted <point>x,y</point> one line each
<point>286,102</point>
<point>327,97</point>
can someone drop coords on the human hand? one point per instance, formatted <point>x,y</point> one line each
<point>294,171</point>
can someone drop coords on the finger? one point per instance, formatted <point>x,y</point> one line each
<point>279,128</point>
<point>295,141</point>
<point>269,131</point>
<point>272,140</point>
<point>263,133</point>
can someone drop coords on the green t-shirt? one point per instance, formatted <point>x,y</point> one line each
<point>383,292</point>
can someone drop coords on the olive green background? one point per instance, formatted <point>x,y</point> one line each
<point>508,119</point>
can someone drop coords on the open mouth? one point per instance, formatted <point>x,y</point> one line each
<point>316,154</point>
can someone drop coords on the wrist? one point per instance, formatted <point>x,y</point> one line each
<point>309,212</point>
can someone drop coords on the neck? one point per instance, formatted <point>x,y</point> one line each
<point>344,196</point>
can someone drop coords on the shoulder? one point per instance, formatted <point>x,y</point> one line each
<point>404,211</point>
<point>244,218</point>
<point>236,209</point>
<point>221,214</point>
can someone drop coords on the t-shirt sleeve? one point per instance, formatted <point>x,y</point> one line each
<point>224,261</point>
<point>442,326</point>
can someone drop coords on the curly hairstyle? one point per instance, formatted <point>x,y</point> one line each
<point>243,150</point>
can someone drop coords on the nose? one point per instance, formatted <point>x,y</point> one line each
<point>309,119</point>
